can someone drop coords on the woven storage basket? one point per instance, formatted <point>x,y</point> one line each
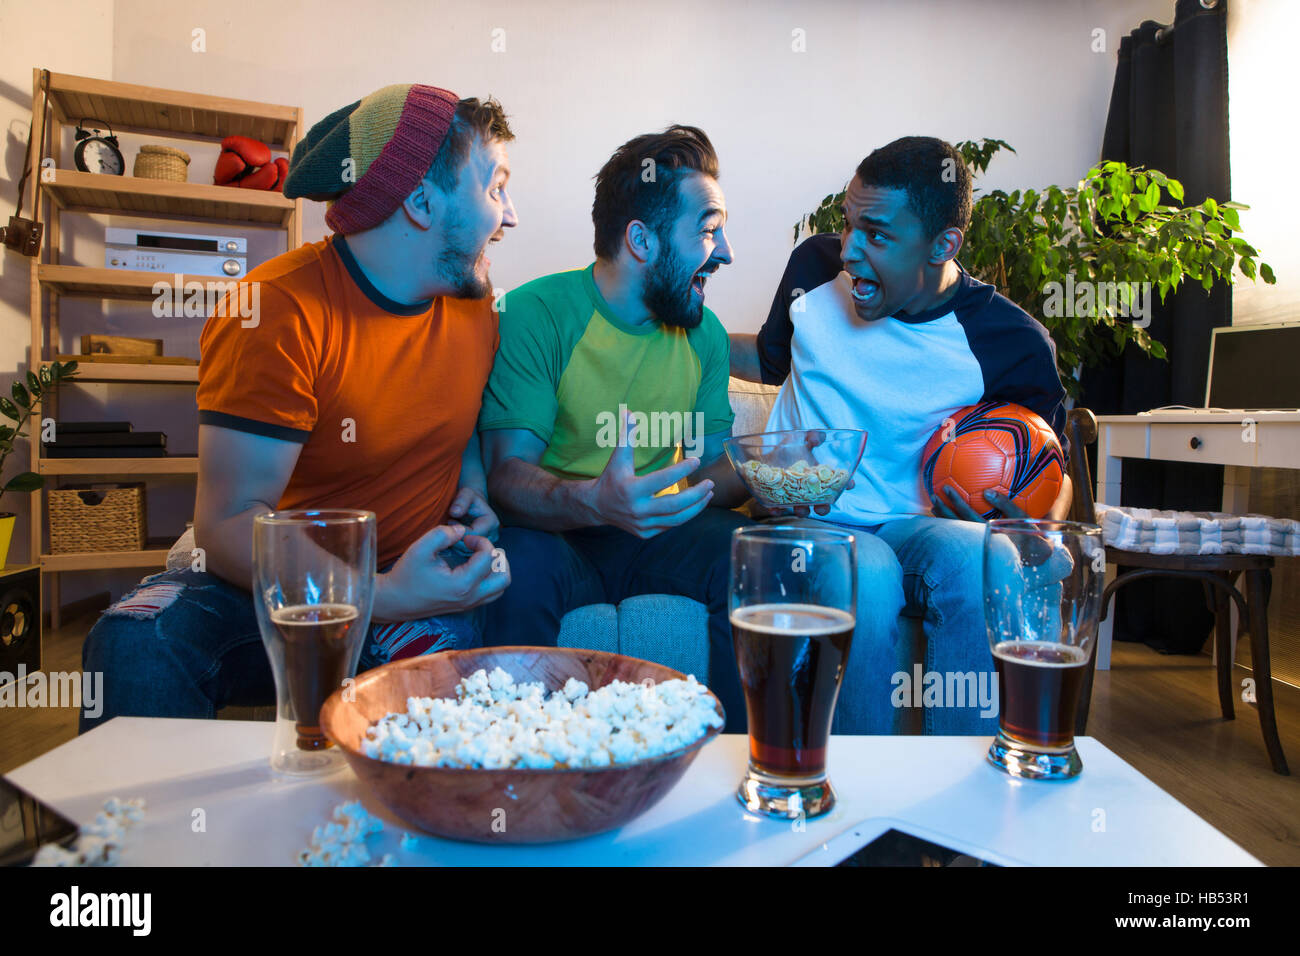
<point>97,518</point>
<point>162,162</point>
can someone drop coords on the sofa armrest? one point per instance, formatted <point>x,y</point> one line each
<point>667,629</point>
<point>593,627</point>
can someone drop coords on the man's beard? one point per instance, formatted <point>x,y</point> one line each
<point>667,292</point>
<point>457,264</point>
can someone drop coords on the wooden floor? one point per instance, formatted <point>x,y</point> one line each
<point>1159,713</point>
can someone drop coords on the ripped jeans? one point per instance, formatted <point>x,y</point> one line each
<point>186,643</point>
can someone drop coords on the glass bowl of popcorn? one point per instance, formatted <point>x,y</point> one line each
<point>801,466</point>
<point>521,744</point>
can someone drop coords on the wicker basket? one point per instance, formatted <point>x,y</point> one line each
<point>88,518</point>
<point>162,162</point>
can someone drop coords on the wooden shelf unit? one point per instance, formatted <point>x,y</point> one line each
<point>138,374</point>
<point>106,467</point>
<point>95,283</point>
<point>75,191</point>
<point>101,560</point>
<point>168,114</point>
<point>174,114</point>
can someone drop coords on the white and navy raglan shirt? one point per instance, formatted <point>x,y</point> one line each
<point>897,377</point>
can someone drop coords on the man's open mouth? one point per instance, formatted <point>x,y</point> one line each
<point>865,291</point>
<point>701,277</point>
<point>483,256</point>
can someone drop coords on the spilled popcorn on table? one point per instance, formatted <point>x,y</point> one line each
<point>342,842</point>
<point>494,723</point>
<point>98,843</point>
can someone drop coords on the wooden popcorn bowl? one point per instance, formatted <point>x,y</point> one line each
<point>512,805</point>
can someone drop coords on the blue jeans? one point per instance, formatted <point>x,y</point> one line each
<point>932,569</point>
<point>186,643</point>
<point>553,574</point>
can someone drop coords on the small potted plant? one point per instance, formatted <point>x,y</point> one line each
<point>19,410</point>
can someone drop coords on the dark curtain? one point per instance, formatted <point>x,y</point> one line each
<point>1169,111</point>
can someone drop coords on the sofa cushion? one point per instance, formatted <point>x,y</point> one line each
<point>664,628</point>
<point>593,628</point>
<point>751,403</point>
<point>667,629</point>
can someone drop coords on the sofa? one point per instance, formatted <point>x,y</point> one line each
<point>664,628</point>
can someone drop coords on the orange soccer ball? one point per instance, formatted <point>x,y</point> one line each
<point>997,446</point>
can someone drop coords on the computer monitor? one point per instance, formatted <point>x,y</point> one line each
<point>1254,366</point>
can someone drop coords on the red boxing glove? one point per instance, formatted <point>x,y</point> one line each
<point>246,163</point>
<point>229,168</point>
<point>263,178</point>
<point>251,151</point>
<point>282,166</point>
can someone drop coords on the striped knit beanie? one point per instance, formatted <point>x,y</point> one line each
<point>367,157</point>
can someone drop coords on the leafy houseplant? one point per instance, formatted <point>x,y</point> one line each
<point>19,411</point>
<point>1084,259</point>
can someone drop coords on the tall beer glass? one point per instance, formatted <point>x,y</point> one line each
<point>1042,593</point>
<point>313,579</point>
<point>793,607</point>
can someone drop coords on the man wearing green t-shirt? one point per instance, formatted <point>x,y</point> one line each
<point>604,417</point>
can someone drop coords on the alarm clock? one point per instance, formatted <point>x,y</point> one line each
<point>97,153</point>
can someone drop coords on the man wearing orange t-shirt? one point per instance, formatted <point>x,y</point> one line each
<point>356,384</point>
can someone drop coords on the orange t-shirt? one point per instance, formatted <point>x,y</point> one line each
<point>383,397</point>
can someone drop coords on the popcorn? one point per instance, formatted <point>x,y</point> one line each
<point>342,842</point>
<point>99,843</point>
<point>495,723</point>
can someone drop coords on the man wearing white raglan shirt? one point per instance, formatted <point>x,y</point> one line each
<point>880,328</point>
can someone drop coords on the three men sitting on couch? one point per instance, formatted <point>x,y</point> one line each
<point>380,365</point>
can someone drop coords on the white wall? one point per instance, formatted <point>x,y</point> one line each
<point>72,36</point>
<point>1264,144</point>
<point>581,77</point>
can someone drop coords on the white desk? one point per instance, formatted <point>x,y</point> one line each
<point>1259,439</point>
<point>939,786</point>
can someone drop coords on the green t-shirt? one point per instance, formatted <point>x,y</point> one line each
<point>566,364</point>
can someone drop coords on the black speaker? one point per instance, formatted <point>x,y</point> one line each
<point>20,622</point>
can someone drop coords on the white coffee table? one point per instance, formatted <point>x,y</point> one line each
<point>938,787</point>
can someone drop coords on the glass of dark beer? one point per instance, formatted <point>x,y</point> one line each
<point>1043,581</point>
<point>313,580</point>
<point>793,607</point>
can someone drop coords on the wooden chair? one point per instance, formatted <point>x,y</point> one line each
<point>1217,574</point>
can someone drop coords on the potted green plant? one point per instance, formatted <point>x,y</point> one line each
<point>19,411</point>
<point>1120,233</point>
